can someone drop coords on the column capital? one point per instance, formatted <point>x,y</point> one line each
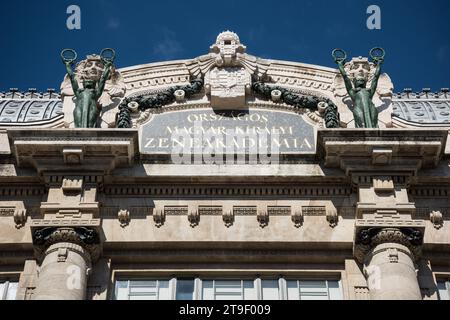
<point>368,239</point>
<point>86,238</point>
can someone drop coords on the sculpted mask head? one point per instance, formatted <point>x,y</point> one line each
<point>91,68</point>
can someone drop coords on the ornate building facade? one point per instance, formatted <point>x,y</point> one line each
<point>226,176</point>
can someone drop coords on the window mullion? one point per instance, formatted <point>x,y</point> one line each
<point>282,286</point>
<point>173,288</point>
<point>258,288</point>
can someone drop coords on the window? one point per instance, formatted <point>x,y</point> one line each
<point>8,290</point>
<point>143,290</point>
<point>313,290</point>
<point>227,289</point>
<point>444,290</point>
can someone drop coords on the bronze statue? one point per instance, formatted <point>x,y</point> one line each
<point>364,110</point>
<point>87,109</point>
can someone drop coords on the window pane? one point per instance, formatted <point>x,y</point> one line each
<point>228,290</point>
<point>250,290</point>
<point>164,290</point>
<point>443,292</point>
<point>12,291</point>
<point>208,290</point>
<point>292,290</point>
<point>143,290</point>
<point>121,290</point>
<point>2,290</point>
<point>334,290</point>
<point>314,290</point>
<point>185,290</point>
<point>270,290</point>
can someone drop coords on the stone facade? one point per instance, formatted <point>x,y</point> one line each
<point>81,208</point>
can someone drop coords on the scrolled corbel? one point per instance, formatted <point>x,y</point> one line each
<point>228,218</point>
<point>332,217</point>
<point>437,219</point>
<point>159,217</point>
<point>263,218</point>
<point>297,218</point>
<point>20,217</point>
<point>124,218</point>
<point>193,218</point>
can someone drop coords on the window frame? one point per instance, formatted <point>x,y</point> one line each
<point>257,281</point>
<point>446,283</point>
<point>6,290</point>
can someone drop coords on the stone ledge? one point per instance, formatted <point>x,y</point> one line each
<point>87,150</point>
<point>372,150</point>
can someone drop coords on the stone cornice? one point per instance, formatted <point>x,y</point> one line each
<point>398,151</point>
<point>83,150</point>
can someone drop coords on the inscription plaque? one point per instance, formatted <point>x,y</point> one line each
<point>194,131</point>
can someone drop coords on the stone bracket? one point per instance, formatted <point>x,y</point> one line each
<point>124,218</point>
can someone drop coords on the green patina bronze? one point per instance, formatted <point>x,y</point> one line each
<point>364,111</point>
<point>87,109</point>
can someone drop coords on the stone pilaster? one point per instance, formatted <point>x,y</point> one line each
<point>389,256</point>
<point>67,255</point>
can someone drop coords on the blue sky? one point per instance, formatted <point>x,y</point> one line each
<point>415,34</point>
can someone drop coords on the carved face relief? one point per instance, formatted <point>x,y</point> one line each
<point>91,68</point>
<point>360,69</point>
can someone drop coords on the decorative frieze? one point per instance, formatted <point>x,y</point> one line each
<point>314,211</point>
<point>231,192</point>
<point>210,210</point>
<point>7,212</point>
<point>176,210</point>
<point>279,211</point>
<point>245,211</point>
